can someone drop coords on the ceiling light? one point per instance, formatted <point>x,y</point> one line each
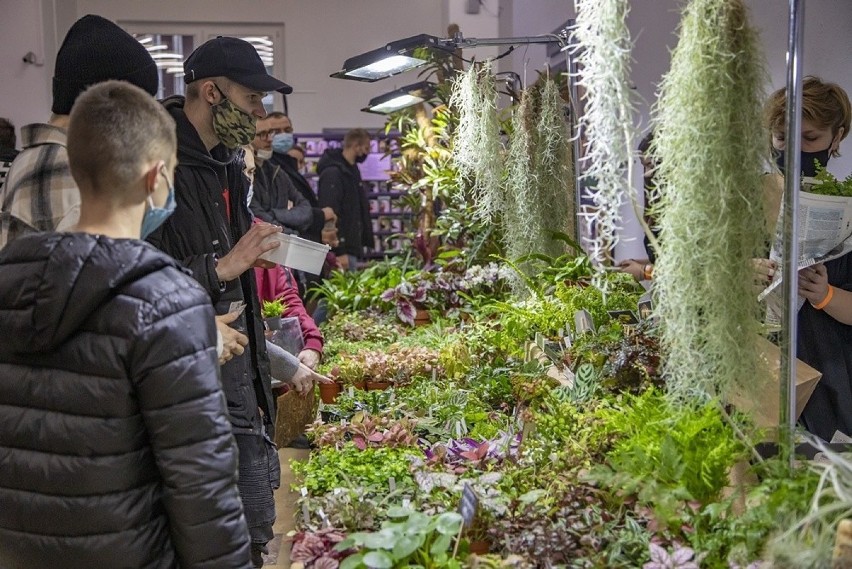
<point>395,57</point>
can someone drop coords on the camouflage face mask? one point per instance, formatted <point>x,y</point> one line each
<point>233,126</point>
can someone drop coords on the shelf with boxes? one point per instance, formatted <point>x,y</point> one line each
<point>387,212</point>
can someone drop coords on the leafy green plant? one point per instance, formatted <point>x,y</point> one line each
<point>828,185</point>
<point>331,468</point>
<point>710,144</point>
<point>273,308</point>
<point>412,538</point>
<point>668,453</point>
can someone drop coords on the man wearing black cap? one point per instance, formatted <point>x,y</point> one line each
<point>211,233</point>
<point>39,193</point>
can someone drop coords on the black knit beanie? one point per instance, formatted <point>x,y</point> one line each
<point>97,50</point>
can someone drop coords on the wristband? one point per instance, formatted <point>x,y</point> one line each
<point>648,271</point>
<point>824,302</point>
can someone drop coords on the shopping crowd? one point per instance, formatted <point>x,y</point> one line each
<point>138,380</point>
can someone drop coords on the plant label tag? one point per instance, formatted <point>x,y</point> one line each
<point>304,492</point>
<point>391,397</point>
<point>646,307</point>
<point>567,341</point>
<point>392,484</point>
<point>822,458</point>
<point>406,502</point>
<point>351,391</point>
<point>539,340</point>
<point>569,375</point>
<point>324,518</point>
<point>434,374</point>
<point>469,504</point>
<point>583,321</point>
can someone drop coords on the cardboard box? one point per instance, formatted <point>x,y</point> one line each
<point>765,407</point>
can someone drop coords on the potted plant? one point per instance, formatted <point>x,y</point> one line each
<point>272,311</point>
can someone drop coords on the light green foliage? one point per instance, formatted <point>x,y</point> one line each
<point>331,468</point>
<point>360,290</point>
<point>539,195</point>
<point>829,185</point>
<point>710,143</point>
<point>410,539</point>
<point>608,112</point>
<point>273,308</point>
<point>477,149</point>
<point>808,540</point>
<point>670,450</point>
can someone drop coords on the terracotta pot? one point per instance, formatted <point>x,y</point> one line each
<point>421,317</point>
<point>479,547</point>
<point>362,385</point>
<point>377,385</point>
<point>329,392</point>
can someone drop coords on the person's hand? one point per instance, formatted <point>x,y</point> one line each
<point>310,358</point>
<point>634,268</point>
<point>813,283</point>
<point>343,262</point>
<point>329,214</point>
<point>247,251</point>
<point>233,341</point>
<point>305,378</point>
<point>329,237</point>
<point>764,271</point>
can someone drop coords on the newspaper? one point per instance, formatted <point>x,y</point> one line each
<point>825,233</point>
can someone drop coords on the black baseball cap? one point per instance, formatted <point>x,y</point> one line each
<point>235,59</point>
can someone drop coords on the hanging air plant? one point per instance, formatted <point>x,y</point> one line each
<point>709,142</point>
<point>554,168</point>
<point>477,149</point>
<point>539,196</point>
<point>607,122</point>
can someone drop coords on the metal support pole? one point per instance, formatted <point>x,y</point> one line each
<point>571,68</point>
<point>792,186</point>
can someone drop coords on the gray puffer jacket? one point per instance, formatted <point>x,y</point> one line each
<point>115,446</point>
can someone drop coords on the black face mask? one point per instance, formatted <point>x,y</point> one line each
<point>808,166</point>
<point>360,158</point>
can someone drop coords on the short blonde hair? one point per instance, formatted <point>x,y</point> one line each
<point>115,129</point>
<point>355,136</point>
<point>826,105</point>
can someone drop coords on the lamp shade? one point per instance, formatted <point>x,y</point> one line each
<point>394,58</point>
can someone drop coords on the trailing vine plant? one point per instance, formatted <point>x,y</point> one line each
<point>710,143</point>
<point>604,62</point>
<point>477,148</point>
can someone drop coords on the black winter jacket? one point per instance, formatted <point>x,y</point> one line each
<point>289,166</point>
<point>197,234</point>
<point>115,445</point>
<point>273,195</point>
<point>340,189</point>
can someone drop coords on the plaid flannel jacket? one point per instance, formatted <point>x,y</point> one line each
<point>39,193</point>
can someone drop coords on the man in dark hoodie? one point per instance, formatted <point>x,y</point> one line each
<point>340,189</point>
<point>211,233</point>
<point>117,449</point>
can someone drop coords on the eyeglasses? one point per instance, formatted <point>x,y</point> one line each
<point>271,132</point>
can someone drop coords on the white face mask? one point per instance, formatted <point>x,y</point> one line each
<point>264,154</point>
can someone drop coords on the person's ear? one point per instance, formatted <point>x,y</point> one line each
<point>210,93</point>
<point>152,178</point>
<point>835,143</point>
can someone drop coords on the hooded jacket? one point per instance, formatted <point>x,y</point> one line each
<point>340,189</point>
<point>196,235</point>
<point>277,201</point>
<point>289,166</point>
<point>115,444</point>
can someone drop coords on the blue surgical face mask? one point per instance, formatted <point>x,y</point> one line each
<point>155,216</point>
<point>282,142</point>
